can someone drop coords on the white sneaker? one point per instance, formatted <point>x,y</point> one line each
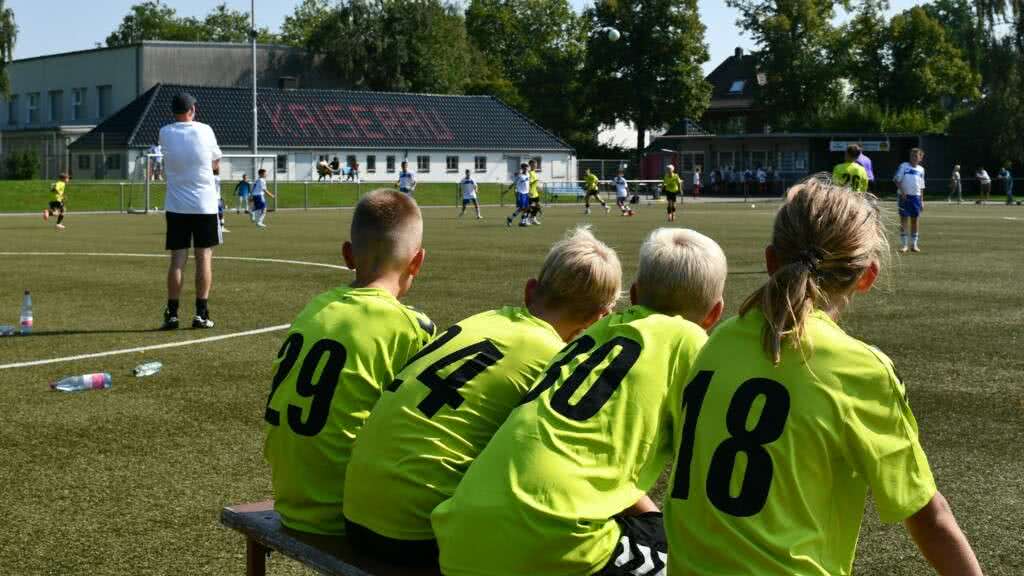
<point>60,226</point>
<point>587,212</point>
<point>607,210</point>
<point>261,225</point>
<point>222,229</point>
<point>479,217</point>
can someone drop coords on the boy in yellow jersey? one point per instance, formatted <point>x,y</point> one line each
<point>850,173</point>
<point>787,421</point>
<point>534,195</point>
<point>673,187</point>
<point>57,200</point>
<point>340,349</point>
<point>592,187</point>
<point>446,404</point>
<point>560,489</point>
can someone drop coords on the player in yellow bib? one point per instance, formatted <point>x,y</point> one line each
<point>592,187</point>
<point>339,350</point>
<point>445,405</point>
<point>787,422</point>
<point>850,174</point>
<point>560,490</point>
<point>672,184</point>
<point>56,207</point>
<point>534,196</point>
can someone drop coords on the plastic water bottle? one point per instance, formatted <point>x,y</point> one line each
<point>26,313</point>
<point>99,381</point>
<point>147,369</point>
<point>8,330</point>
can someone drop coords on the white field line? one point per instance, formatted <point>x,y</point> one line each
<point>144,348</point>
<point>131,255</point>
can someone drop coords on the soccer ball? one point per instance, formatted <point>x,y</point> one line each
<point>613,34</point>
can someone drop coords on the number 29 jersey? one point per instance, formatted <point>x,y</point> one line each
<point>340,351</point>
<point>438,415</point>
<point>774,462</point>
<point>591,438</point>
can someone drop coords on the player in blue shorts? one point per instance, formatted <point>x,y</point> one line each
<point>521,182</point>
<point>910,181</point>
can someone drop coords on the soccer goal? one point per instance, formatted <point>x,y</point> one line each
<point>152,194</point>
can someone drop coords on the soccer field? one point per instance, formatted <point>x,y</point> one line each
<point>131,480</point>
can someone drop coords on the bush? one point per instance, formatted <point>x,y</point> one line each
<point>22,165</point>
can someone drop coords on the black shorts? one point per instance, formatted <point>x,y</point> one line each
<point>404,553</point>
<point>535,201</point>
<point>642,543</point>
<point>54,205</point>
<point>593,193</point>
<point>671,196</point>
<point>186,230</point>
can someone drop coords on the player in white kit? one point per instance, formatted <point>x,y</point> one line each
<point>469,189</point>
<point>622,193</point>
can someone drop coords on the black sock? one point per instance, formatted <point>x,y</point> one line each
<point>60,217</point>
<point>201,308</point>
<point>172,307</point>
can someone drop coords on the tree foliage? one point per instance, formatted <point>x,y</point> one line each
<point>155,20</point>
<point>8,37</point>
<point>926,66</point>
<point>299,26</point>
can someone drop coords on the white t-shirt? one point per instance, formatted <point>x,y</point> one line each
<point>621,186</point>
<point>910,179</point>
<point>468,188</point>
<point>982,175</point>
<point>259,187</point>
<point>522,183</point>
<point>696,178</point>
<point>406,180</point>
<point>189,151</point>
<point>762,176</point>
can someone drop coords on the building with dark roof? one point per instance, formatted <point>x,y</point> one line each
<point>440,136</point>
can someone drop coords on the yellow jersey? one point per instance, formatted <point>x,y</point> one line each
<point>57,191</point>
<point>851,175</point>
<point>591,182</point>
<point>534,187</point>
<point>672,183</point>
<point>773,463</point>
<point>590,439</point>
<point>437,416</point>
<point>341,350</point>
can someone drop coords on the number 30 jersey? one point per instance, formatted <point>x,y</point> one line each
<point>774,462</point>
<point>590,439</point>
<point>341,349</point>
<point>438,415</point>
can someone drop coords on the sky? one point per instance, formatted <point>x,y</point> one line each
<point>53,26</point>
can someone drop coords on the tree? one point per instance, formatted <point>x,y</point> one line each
<point>926,66</point>
<point>963,27</point>
<point>865,51</point>
<point>797,50</point>
<point>149,20</point>
<point>652,76</point>
<point>154,20</point>
<point>8,36</point>
<point>299,26</point>
<point>224,24</point>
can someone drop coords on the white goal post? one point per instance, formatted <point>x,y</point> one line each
<point>153,166</point>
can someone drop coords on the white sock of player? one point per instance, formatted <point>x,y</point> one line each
<point>903,238</point>
<point>259,216</point>
<point>914,238</point>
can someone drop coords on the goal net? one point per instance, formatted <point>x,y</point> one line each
<point>148,189</point>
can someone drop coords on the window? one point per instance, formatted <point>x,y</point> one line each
<point>282,163</point>
<point>537,163</point>
<point>12,110</point>
<point>33,108</point>
<point>423,163</point>
<point>56,105</point>
<point>350,161</point>
<point>104,101</point>
<point>371,164</point>
<point>83,162</point>
<point>78,104</point>
<point>452,163</point>
<point>390,162</point>
<point>793,161</point>
<point>114,162</point>
<point>480,164</point>
<point>737,86</point>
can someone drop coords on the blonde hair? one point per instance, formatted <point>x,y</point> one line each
<point>824,237</point>
<point>387,230</point>
<point>581,275</point>
<point>681,272</point>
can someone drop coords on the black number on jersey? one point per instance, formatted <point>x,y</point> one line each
<point>445,391</point>
<point>436,343</point>
<point>757,476</point>
<point>602,388</point>
<point>322,392</point>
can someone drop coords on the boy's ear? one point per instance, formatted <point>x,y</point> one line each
<point>713,315</point>
<point>347,255</point>
<point>771,259</point>
<point>416,263</point>
<point>867,278</point>
<point>530,291</point>
<point>632,293</point>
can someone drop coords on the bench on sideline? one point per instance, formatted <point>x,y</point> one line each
<point>331,555</point>
<point>554,189</point>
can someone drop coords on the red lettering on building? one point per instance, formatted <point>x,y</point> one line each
<point>276,120</point>
<point>303,119</point>
<point>338,118</point>
<point>392,126</point>
<point>361,117</point>
<point>443,132</point>
<point>411,120</point>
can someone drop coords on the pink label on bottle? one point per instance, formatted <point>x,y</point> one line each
<point>96,381</point>
<point>26,323</point>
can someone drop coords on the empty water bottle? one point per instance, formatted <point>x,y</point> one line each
<point>97,381</point>
<point>26,313</point>
<point>147,369</point>
<point>8,330</point>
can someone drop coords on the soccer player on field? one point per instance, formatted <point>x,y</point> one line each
<point>787,421</point>
<point>220,200</point>
<point>534,200</point>
<point>850,173</point>
<point>622,193</point>
<point>910,180</point>
<point>561,488</point>
<point>521,182</point>
<point>673,186</point>
<point>591,185</point>
<point>469,189</point>
<point>448,402</point>
<point>259,203</point>
<point>56,206</point>
<point>406,180</point>
<point>342,348</point>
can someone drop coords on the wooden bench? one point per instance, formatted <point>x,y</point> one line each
<point>331,555</point>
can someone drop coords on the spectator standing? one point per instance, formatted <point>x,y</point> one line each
<point>762,181</point>
<point>955,186</point>
<point>696,181</point>
<point>984,184</point>
<point>242,191</point>
<point>191,155</point>
<point>1007,179</point>
<point>355,172</point>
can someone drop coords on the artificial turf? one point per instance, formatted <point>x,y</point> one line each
<point>131,480</point>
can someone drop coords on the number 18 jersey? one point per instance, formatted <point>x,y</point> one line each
<point>774,462</point>
<point>438,415</point>
<point>591,438</point>
<point>341,350</point>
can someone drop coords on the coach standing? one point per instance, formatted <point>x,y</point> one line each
<point>191,155</point>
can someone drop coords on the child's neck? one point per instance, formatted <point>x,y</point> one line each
<point>390,283</point>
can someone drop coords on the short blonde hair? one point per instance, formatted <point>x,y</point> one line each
<point>387,230</point>
<point>681,272</point>
<point>581,275</point>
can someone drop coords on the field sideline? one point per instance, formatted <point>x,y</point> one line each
<point>131,480</point>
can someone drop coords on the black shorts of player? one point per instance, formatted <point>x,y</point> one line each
<point>187,230</point>
<point>671,196</point>
<point>535,201</point>
<point>403,553</point>
<point>593,193</point>
<point>54,205</point>
<point>642,549</point>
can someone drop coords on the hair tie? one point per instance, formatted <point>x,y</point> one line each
<point>810,258</point>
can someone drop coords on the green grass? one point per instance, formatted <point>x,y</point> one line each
<point>131,480</point>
